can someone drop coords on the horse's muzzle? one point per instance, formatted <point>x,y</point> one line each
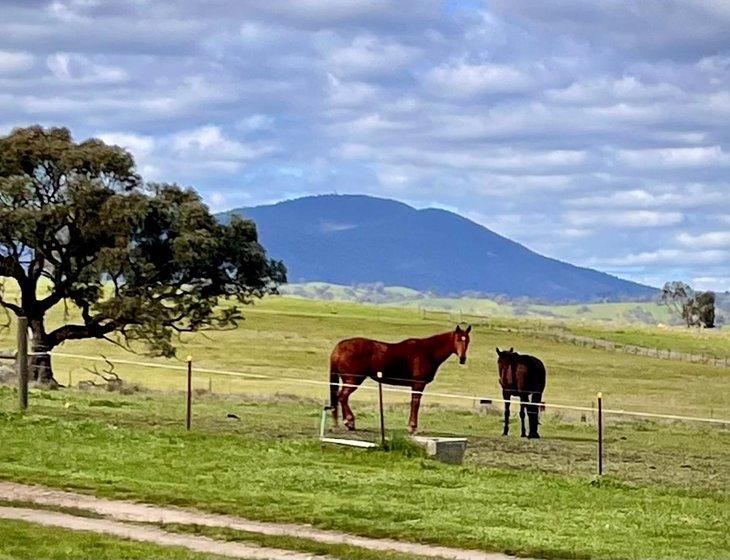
<point>462,360</point>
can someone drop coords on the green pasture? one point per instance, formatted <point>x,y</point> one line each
<point>625,312</point>
<point>288,342</point>
<point>665,494</point>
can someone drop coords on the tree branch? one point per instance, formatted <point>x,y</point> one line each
<point>12,307</point>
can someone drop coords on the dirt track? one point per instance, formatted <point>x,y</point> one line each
<point>151,534</point>
<point>118,512</point>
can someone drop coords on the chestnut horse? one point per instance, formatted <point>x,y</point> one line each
<point>522,376</point>
<point>411,363</point>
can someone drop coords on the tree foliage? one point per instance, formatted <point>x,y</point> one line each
<point>675,295</point>
<point>141,262</point>
<point>699,310</point>
<point>695,308</point>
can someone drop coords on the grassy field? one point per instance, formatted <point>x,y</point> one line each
<point>627,312</point>
<point>291,339</point>
<point>666,495</point>
<point>637,323</point>
<point>27,541</point>
<point>710,342</point>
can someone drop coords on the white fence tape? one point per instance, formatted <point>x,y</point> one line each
<point>472,398</point>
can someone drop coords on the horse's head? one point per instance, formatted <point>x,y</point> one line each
<point>505,364</point>
<point>461,342</point>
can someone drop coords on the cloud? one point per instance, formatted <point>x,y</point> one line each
<point>208,148</point>
<point>572,129</point>
<point>139,145</point>
<point>74,68</point>
<point>367,55</point>
<point>658,29</point>
<point>675,157</point>
<point>688,196</point>
<point>712,239</point>
<point>715,283</point>
<point>623,219</point>
<point>209,140</point>
<point>606,88</point>
<point>468,80</point>
<point>11,62</point>
<point>669,256</point>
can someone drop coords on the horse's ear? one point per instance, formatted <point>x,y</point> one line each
<point>498,352</point>
<point>458,328</point>
<point>511,350</point>
<point>468,329</point>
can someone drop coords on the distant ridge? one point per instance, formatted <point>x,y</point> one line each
<point>357,239</point>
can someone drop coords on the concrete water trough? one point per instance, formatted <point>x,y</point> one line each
<point>446,449</point>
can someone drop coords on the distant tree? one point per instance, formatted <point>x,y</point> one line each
<point>704,307</point>
<point>696,308</point>
<point>140,263</point>
<point>676,295</point>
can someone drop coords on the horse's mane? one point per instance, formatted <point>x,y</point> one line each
<point>431,338</point>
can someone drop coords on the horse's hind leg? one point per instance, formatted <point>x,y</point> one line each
<point>532,415</point>
<point>416,394</point>
<point>349,384</point>
<point>505,397</point>
<point>523,405</point>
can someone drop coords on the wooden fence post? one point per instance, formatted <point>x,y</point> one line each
<point>22,362</point>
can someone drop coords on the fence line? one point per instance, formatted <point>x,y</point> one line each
<point>613,346</point>
<point>602,343</point>
<point>471,398</point>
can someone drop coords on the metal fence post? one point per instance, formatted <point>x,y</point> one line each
<point>600,433</point>
<point>380,400</point>
<point>22,362</point>
<point>189,408</point>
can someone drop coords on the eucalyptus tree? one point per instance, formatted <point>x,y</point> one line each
<point>134,263</point>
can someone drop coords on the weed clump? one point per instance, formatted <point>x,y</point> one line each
<point>403,446</point>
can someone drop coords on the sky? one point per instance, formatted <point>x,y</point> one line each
<point>597,133</point>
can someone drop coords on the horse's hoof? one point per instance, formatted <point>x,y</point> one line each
<point>505,434</point>
<point>533,436</point>
<point>523,435</point>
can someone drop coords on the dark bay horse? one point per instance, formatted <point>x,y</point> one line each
<point>412,363</point>
<point>522,376</point>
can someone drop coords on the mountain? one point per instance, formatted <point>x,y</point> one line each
<point>354,239</point>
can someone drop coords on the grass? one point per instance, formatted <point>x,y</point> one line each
<point>665,496</point>
<point>632,323</point>
<point>636,312</point>
<point>78,512</point>
<point>343,551</point>
<point>28,541</point>
<point>22,546</point>
<point>710,342</point>
<point>267,465</point>
<point>290,339</point>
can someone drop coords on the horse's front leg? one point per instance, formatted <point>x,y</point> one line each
<point>523,406</point>
<point>505,398</point>
<point>416,394</point>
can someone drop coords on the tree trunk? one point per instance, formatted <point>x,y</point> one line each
<point>40,368</point>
